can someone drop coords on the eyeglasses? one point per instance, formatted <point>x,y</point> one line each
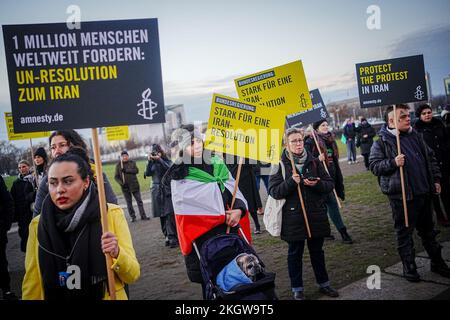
<point>299,141</point>
<point>59,145</point>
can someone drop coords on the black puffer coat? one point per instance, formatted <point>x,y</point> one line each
<point>293,225</point>
<point>382,164</point>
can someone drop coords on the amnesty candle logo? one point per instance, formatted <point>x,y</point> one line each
<point>147,105</point>
<point>419,94</point>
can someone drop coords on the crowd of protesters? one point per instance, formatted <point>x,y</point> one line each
<point>55,202</point>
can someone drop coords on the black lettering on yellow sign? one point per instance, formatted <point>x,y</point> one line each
<point>269,84</point>
<point>284,80</point>
<point>253,99</point>
<point>232,135</point>
<point>221,122</point>
<point>222,112</point>
<point>245,117</point>
<point>275,102</point>
<point>251,90</point>
<point>262,122</point>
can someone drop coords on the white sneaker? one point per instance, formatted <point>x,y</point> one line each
<point>350,162</point>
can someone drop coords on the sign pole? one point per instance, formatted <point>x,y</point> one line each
<point>236,185</point>
<point>103,210</point>
<point>325,166</point>
<point>402,177</point>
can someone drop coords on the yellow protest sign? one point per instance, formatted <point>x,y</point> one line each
<point>245,130</point>
<point>21,136</point>
<point>117,133</point>
<point>282,87</point>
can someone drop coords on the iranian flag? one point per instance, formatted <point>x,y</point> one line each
<point>198,205</point>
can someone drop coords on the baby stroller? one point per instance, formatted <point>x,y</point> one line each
<point>219,251</point>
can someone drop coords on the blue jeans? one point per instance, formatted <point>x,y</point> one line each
<point>295,262</point>
<point>351,150</point>
<point>333,211</point>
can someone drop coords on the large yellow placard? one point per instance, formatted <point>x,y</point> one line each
<point>117,133</point>
<point>245,130</point>
<point>21,136</point>
<point>282,87</point>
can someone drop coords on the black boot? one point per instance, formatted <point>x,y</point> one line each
<point>410,268</point>
<point>438,264</point>
<point>345,236</point>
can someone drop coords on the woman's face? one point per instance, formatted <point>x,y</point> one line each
<point>38,160</point>
<point>58,146</point>
<point>196,148</point>
<point>295,143</point>
<point>65,184</point>
<point>323,128</point>
<point>426,115</point>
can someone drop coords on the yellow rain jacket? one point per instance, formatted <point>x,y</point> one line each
<point>126,267</point>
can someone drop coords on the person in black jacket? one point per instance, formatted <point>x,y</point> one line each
<point>364,139</point>
<point>6,216</point>
<point>315,185</point>
<point>437,138</point>
<point>422,177</point>
<point>330,154</point>
<point>157,166</point>
<point>191,156</point>
<point>247,185</point>
<point>22,191</point>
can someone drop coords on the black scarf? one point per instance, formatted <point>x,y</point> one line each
<point>84,238</point>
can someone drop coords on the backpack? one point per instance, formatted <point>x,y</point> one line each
<point>273,211</point>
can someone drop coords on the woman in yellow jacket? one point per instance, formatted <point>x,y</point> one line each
<point>65,257</point>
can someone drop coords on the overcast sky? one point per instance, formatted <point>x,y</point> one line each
<point>207,44</point>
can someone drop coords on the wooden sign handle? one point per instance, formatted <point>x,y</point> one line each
<point>402,177</point>
<point>103,209</point>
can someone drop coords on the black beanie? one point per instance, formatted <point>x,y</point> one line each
<point>41,152</point>
<point>318,123</point>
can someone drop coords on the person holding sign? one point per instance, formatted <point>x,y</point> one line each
<point>66,248</point>
<point>422,177</point>
<point>315,186</point>
<point>437,138</point>
<point>199,192</point>
<point>60,142</point>
<point>330,154</point>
